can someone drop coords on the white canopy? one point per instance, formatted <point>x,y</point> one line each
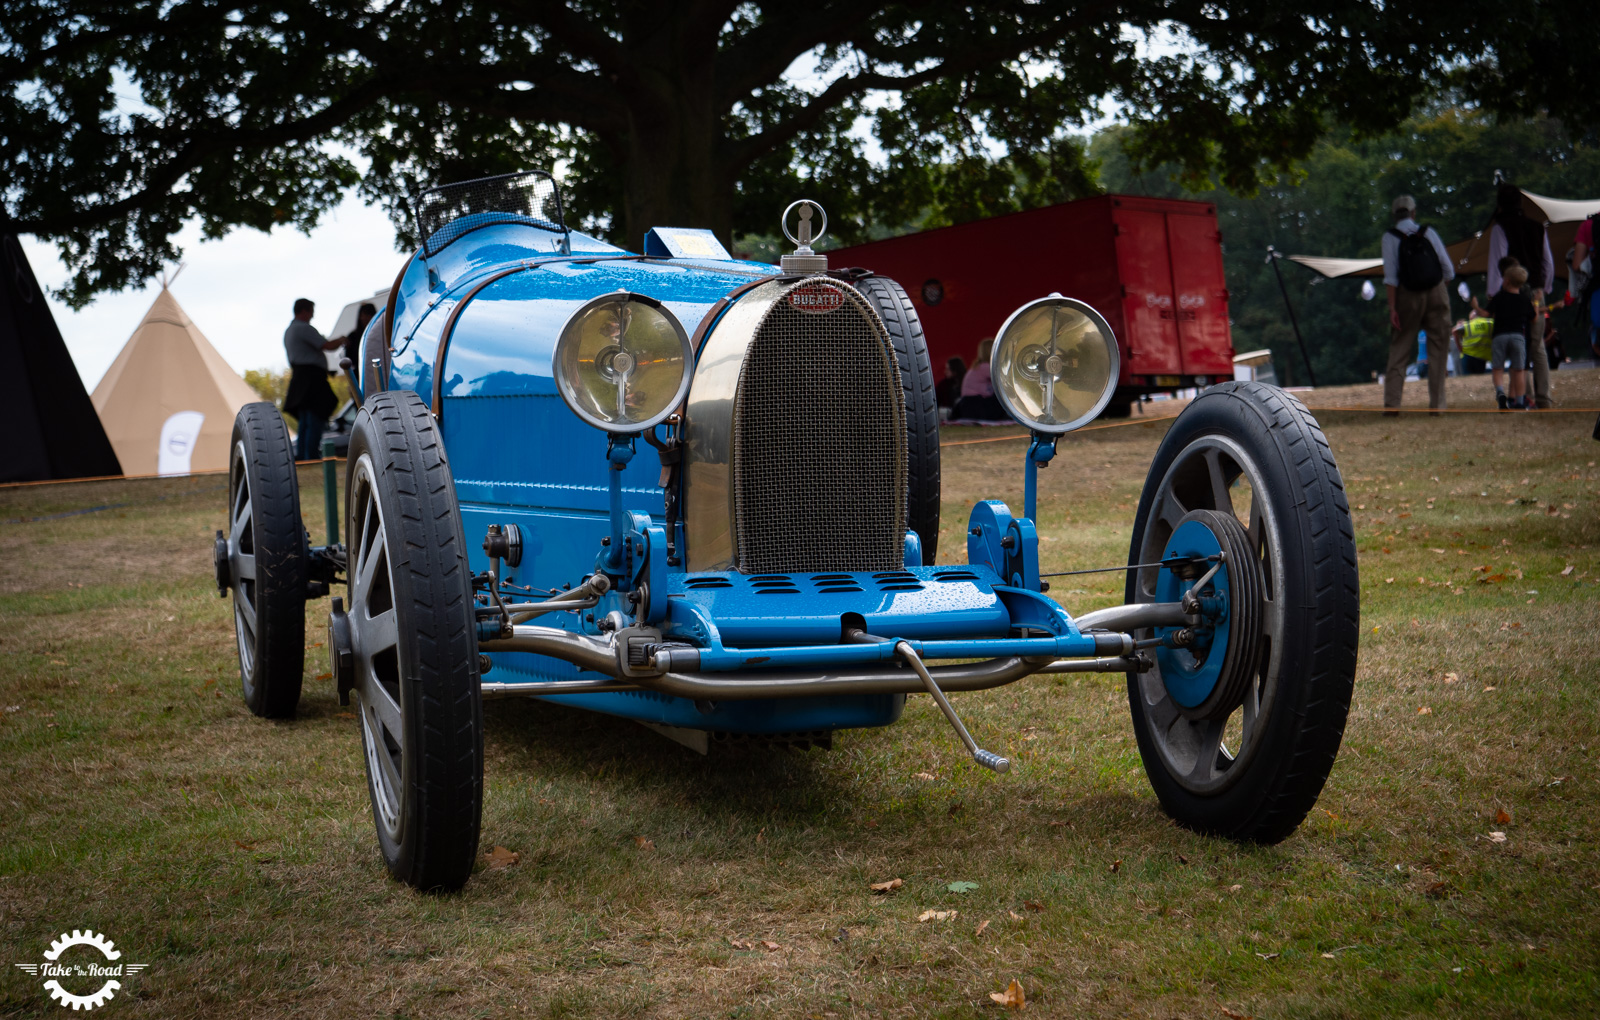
<point>1471,254</point>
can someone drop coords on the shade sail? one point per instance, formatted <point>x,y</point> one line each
<point>1471,254</point>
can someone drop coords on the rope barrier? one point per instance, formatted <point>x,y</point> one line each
<point>136,478</point>
<point>1369,410</point>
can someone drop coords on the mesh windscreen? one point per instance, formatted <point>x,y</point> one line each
<point>445,213</point>
<point>819,439</point>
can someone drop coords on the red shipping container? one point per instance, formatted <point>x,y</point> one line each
<point>1151,266</point>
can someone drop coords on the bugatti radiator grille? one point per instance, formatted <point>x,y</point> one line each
<point>819,438</point>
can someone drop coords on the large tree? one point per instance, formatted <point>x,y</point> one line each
<point>122,121</point>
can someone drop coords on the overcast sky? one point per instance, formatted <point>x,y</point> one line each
<point>239,290</point>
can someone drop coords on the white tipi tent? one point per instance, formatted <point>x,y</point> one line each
<point>168,401</point>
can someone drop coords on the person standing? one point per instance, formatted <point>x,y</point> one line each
<point>1476,346</point>
<point>1513,233</point>
<point>352,342</point>
<point>310,399</point>
<point>1515,319</point>
<point>1416,268</point>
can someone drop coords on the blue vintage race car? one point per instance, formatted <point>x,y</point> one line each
<point>703,494</point>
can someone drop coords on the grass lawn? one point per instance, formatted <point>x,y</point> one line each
<point>237,857</point>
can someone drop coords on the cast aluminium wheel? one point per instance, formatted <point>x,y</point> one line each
<point>266,561</point>
<point>414,649</point>
<point>1252,767</point>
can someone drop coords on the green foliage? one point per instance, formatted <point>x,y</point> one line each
<point>1337,204</point>
<point>271,385</point>
<point>124,122</point>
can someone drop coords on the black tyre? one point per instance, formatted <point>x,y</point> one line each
<point>414,650</point>
<point>922,407</point>
<point>266,561</point>
<point>1252,770</point>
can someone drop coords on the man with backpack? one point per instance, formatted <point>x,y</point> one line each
<point>1416,268</point>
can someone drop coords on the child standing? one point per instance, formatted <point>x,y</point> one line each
<point>1513,316</point>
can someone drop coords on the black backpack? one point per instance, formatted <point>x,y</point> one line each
<point>1419,267</point>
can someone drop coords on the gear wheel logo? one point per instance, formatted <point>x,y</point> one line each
<point>84,965</point>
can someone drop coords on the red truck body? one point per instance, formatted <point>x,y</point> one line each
<point>1151,266</point>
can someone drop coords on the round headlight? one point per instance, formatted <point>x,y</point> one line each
<point>623,362</point>
<point>1055,364</point>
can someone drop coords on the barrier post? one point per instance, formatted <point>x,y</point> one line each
<point>330,489</point>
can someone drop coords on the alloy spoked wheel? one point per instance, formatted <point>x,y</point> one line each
<point>1206,752</point>
<point>265,552</point>
<point>413,646</point>
<point>373,641</point>
<point>1246,753</point>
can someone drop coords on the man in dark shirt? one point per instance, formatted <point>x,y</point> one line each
<point>310,399</point>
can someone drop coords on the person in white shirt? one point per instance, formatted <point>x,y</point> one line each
<point>1415,276</point>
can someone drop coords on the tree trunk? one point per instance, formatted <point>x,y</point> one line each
<point>672,172</point>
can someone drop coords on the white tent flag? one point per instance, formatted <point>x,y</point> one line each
<point>179,433</point>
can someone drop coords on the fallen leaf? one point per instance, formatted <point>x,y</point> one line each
<point>883,887</point>
<point>1182,859</point>
<point>244,846</point>
<point>1388,580</point>
<point>1235,888</point>
<point>1268,956</point>
<point>770,946</point>
<point>761,837</point>
<point>644,844</point>
<point>1058,825</point>
<point>345,715</point>
<point>1567,571</point>
<point>1451,678</point>
<point>739,943</point>
<point>936,915</point>
<point>1486,690</point>
<point>1329,956</point>
<point>324,676</point>
<point>1033,905</point>
<point>926,777</point>
<point>1502,817</point>
<point>500,857</point>
<point>1439,551</point>
<point>1231,1015</point>
<point>1016,916</point>
<point>1116,865</point>
<point>982,925</point>
<point>1424,710</point>
<point>1437,888</point>
<point>1012,997</point>
<point>1497,837</point>
<point>962,887</point>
